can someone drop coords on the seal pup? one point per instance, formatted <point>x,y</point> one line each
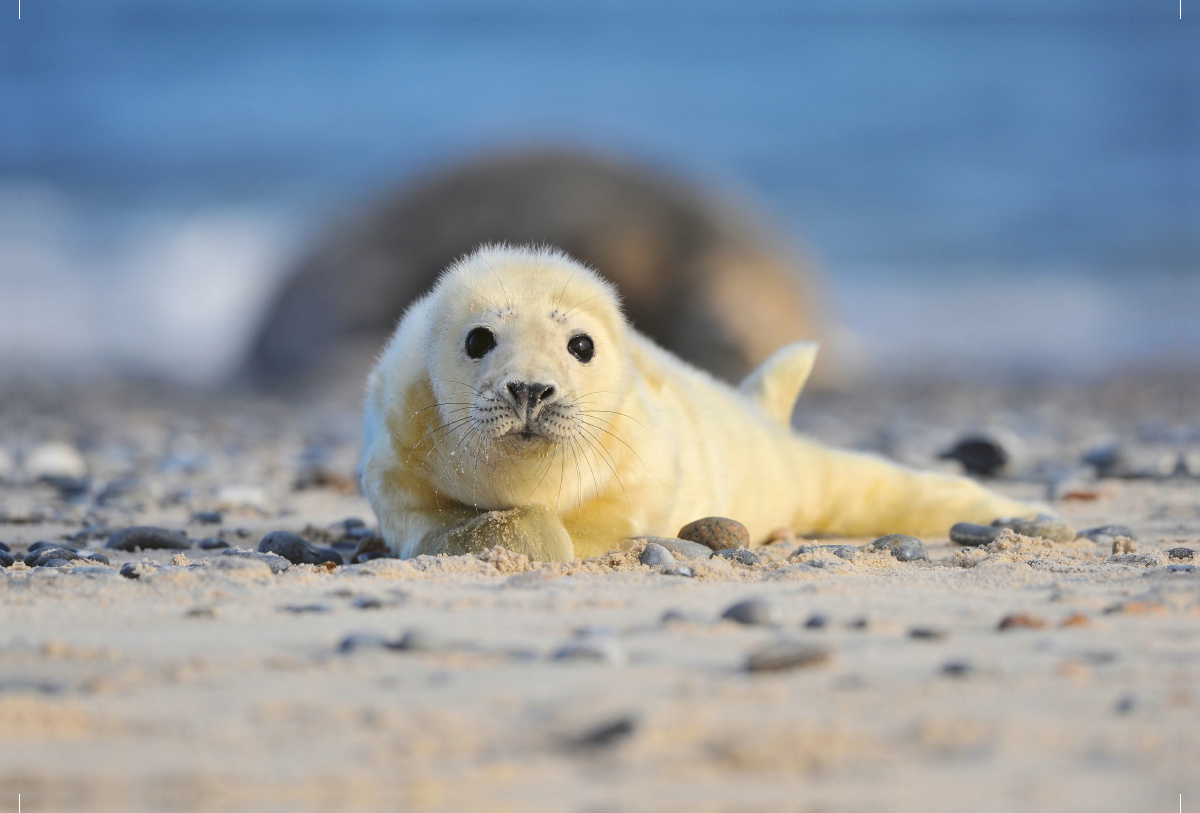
<point>515,406</point>
<point>699,272</point>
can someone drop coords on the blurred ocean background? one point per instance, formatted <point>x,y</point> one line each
<point>991,186</point>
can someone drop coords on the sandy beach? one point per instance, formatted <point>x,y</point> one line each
<point>209,681</point>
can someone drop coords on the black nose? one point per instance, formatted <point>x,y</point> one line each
<point>532,393</point>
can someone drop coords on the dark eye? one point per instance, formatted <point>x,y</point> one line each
<point>581,347</point>
<point>479,342</point>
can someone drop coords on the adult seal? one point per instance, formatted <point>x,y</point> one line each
<point>515,406</point>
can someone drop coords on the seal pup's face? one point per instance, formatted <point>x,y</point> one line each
<point>527,364</point>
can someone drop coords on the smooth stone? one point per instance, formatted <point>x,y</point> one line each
<point>41,556</point>
<point>147,538</point>
<point>739,555</point>
<point>656,555</point>
<point>1185,554</point>
<point>69,488</point>
<point>212,543</point>
<point>957,669</point>
<point>55,563</point>
<point>373,547</point>
<point>784,655</point>
<point>1181,568</point>
<point>208,517</point>
<point>297,550</point>
<point>841,551</point>
<point>904,548</point>
<point>607,734</point>
<point>4,548</point>
<point>1110,531</point>
<point>972,535</point>
<point>6,560</point>
<point>926,634</point>
<point>817,622</point>
<point>716,533</point>
<point>306,608</point>
<point>681,548</point>
<point>371,554</point>
<point>754,612</point>
<point>596,650</point>
<point>40,545</point>
<point>277,563</point>
<point>1052,529</point>
<point>682,570</point>
<point>98,557</point>
<point>130,570</point>
<point>979,454</point>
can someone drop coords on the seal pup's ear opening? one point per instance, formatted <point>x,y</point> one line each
<point>777,382</point>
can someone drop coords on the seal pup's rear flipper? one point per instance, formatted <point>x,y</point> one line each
<point>777,382</point>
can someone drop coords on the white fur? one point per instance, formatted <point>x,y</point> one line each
<point>634,442</point>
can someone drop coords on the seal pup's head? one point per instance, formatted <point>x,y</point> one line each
<point>527,356</point>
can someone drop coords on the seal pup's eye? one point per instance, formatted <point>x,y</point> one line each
<point>581,347</point>
<point>479,342</point>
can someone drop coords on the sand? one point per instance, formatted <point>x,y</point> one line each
<point>209,683</point>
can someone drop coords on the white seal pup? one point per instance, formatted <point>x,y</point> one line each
<point>515,406</point>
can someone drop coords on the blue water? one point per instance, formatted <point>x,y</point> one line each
<point>928,141</point>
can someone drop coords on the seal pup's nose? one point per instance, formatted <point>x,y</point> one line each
<point>529,394</point>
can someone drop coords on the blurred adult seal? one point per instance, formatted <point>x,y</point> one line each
<point>515,406</point>
<point>698,274</point>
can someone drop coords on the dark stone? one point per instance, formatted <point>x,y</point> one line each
<point>1105,534</point>
<point>142,537</point>
<point>56,562</point>
<point>98,557</point>
<point>817,622</point>
<point>606,735</point>
<point>656,555</point>
<point>41,556</point>
<point>681,548</point>
<point>739,555</point>
<point>4,548</point>
<point>682,570</point>
<point>69,488</point>
<point>371,554</point>
<point>208,517</point>
<point>349,524</point>
<point>754,612</point>
<point>297,550</point>
<point>786,655</point>
<point>366,603</point>
<point>957,668</point>
<point>416,640</point>
<point>904,548</point>
<point>926,634</point>
<point>372,546</point>
<point>40,545</point>
<point>277,563</point>
<point>305,608</point>
<point>717,533</point>
<point>6,560</point>
<point>980,455</point>
<point>130,570</point>
<point>364,641</point>
<point>967,533</point>
<point>1183,554</point>
<point>212,543</point>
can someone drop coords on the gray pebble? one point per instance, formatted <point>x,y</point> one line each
<point>130,570</point>
<point>305,608</point>
<point>1052,529</point>
<point>98,557</point>
<point>208,517</point>
<point>957,668</point>
<point>681,548</point>
<point>364,641</point>
<point>277,563</point>
<point>1105,534</point>
<point>1184,554</point>
<point>4,548</point>
<point>682,570</point>
<point>817,622</point>
<point>926,634</point>
<point>147,538</point>
<point>598,650</point>
<point>972,535</point>
<point>717,533</point>
<point>755,612</point>
<point>296,549</point>
<point>41,557</point>
<point>739,555</point>
<point>904,548</point>
<point>656,555</point>
<point>6,560</point>
<point>1134,559</point>
<point>606,735</point>
<point>1181,568</point>
<point>786,655</point>
<point>841,551</point>
<point>979,454</point>
<point>212,543</point>
<point>55,563</point>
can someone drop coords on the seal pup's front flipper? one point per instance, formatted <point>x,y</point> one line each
<point>777,382</point>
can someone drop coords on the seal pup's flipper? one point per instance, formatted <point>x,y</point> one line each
<point>777,382</point>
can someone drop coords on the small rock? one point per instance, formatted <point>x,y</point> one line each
<point>1181,568</point>
<point>297,550</point>
<point>1105,534</point>
<point>367,603</point>
<point>141,537</point>
<point>682,570</point>
<point>6,559</point>
<point>847,552</point>
<point>364,641</point>
<point>904,548</point>
<point>55,460</point>
<point>1123,544</point>
<point>716,533</point>
<point>55,563</point>
<point>69,488</point>
<point>980,454</point>
<point>370,547</point>
<point>4,548</point>
<point>1182,554</point>
<point>681,548</point>
<point>753,612</point>
<point>656,555</point>
<point>817,622</point>
<point>739,555</point>
<point>305,608</point>
<point>212,543</point>
<point>277,563</point>
<point>606,735</point>
<point>926,634</point>
<point>130,570</point>
<point>957,668</point>
<point>349,524</point>
<point>784,655</point>
<point>1052,529</point>
<point>41,557</point>
<point>1021,621</point>
<point>972,535</point>
<point>208,517</point>
<point>98,557</point>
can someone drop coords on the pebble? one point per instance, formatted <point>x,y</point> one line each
<point>1052,529</point>
<point>371,547</point>
<point>682,570</point>
<point>92,571</point>
<point>840,551</point>
<point>1134,559</point>
<point>979,454</point>
<point>817,622</point>
<point>786,655</point>
<point>277,563</point>
<point>55,460</point>
<point>957,668</point>
<point>740,555</point>
<point>753,612</point>
<point>56,562</point>
<point>1185,554</point>
<point>607,734</point>
<point>41,557</point>
<point>1181,568</point>
<point>297,550</point>
<point>369,555</point>
<point>98,557</point>
<point>926,634</point>
<point>208,517</point>
<point>1109,531</point>
<point>5,548</point>
<point>904,548</point>
<point>364,641</point>
<point>1020,621</point>
<point>716,533</point>
<point>681,548</point>
<point>6,560</point>
<point>212,543</point>
<point>146,538</point>
<point>972,535</point>
<point>130,570</point>
<point>656,555</point>
<point>306,608</point>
